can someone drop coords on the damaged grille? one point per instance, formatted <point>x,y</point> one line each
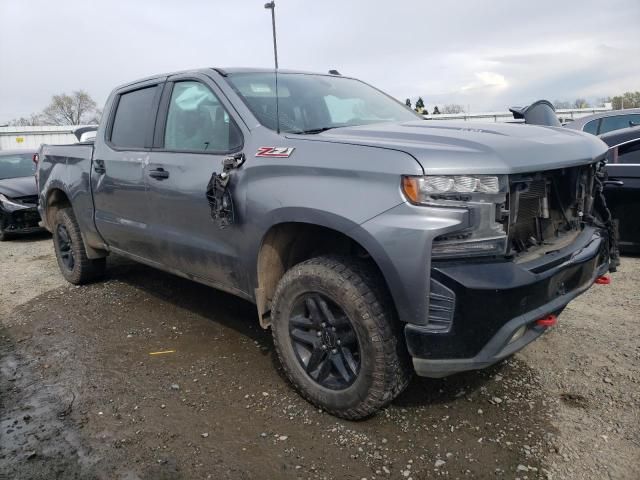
<point>543,207</point>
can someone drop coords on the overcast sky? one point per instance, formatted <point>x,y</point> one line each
<point>487,54</point>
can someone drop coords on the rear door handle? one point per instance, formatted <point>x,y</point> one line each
<point>98,167</point>
<point>159,173</point>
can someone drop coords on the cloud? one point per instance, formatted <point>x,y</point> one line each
<point>486,80</point>
<point>488,55</point>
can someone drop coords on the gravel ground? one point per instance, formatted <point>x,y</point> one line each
<point>82,396</point>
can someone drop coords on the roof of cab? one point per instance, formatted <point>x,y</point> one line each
<point>222,71</point>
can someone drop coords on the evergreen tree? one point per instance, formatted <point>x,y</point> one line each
<point>436,111</point>
<point>419,105</point>
<point>407,102</point>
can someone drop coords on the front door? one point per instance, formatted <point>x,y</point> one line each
<point>194,134</point>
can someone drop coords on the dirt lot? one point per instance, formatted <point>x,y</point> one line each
<point>81,396</point>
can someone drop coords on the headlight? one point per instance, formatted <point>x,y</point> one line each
<point>424,189</point>
<point>10,204</point>
<point>483,196</point>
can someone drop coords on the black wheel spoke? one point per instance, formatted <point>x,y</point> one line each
<point>309,338</point>
<point>349,360</point>
<point>314,312</point>
<point>338,362</point>
<point>326,312</point>
<point>323,372</point>
<point>300,321</point>
<point>317,357</point>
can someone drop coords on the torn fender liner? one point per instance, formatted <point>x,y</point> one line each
<point>218,194</point>
<point>220,199</point>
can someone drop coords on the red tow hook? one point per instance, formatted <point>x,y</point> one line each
<point>548,321</point>
<point>603,280</point>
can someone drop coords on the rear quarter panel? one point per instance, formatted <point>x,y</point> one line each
<point>68,168</point>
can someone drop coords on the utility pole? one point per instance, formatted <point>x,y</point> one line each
<point>272,6</point>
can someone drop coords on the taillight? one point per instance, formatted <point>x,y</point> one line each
<point>36,158</point>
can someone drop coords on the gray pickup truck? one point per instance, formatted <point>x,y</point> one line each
<point>374,243</point>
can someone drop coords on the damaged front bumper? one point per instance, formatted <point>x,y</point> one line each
<point>19,221</point>
<point>493,307</point>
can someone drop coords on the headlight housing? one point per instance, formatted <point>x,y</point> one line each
<point>11,205</point>
<point>483,196</point>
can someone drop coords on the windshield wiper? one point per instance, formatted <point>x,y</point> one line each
<point>313,131</point>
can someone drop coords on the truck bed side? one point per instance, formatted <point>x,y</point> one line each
<point>64,179</point>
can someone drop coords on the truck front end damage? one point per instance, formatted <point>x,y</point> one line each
<point>526,246</point>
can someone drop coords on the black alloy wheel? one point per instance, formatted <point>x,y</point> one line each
<point>325,343</point>
<point>65,245</point>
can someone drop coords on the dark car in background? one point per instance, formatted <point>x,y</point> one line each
<point>605,122</point>
<point>18,194</point>
<point>622,189</point>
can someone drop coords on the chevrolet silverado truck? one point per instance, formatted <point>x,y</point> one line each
<point>375,244</point>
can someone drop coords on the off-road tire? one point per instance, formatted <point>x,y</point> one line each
<point>358,289</point>
<point>84,269</point>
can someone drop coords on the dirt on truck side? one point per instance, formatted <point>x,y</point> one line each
<point>150,376</point>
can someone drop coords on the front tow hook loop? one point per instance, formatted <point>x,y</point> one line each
<point>548,321</point>
<point>603,280</point>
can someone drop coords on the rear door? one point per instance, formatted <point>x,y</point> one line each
<point>194,134</point>
<point>118,180</point>
<point>623,192</point>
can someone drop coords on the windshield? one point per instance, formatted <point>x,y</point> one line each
<point>314,103</point>
<point>16,165</point>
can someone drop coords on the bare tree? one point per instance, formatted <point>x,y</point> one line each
<point>74,109</point>
<point>562,104</point>
<point>453,108</point>
<point>33,119</point>
<point>581,103</point>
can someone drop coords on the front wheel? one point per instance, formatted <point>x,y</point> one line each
<point>72,258</point>
<point>334,330</point>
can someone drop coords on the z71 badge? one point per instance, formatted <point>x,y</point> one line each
<point>277,152</point>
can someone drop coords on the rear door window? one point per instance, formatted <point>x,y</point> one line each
<point>609,124</point>
<point>134,118</point>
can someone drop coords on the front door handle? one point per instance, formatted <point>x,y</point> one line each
<point>159,173</point>
<point>614,183</point>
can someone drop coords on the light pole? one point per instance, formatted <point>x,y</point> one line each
<point>272,6</point>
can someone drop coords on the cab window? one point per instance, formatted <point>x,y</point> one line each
<point>197,121</point>
<point>133,118</point>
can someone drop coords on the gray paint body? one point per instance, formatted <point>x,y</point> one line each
<point>346,179</point>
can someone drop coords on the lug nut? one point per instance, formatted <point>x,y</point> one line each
<point>339,342</point>
<point>324,325</point>
<point>334,351</point>
<point>333,329</point>
<point>324,347</point>
<point>318,334</point>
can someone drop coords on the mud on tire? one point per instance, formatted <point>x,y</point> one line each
<point>357,289</point>
<point>72,258</point>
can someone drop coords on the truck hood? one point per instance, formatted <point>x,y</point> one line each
<point>18,187</point>
<point>446,147</point>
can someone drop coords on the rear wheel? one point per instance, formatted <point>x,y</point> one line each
<point>72,258</point>
<point>334,331</point>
